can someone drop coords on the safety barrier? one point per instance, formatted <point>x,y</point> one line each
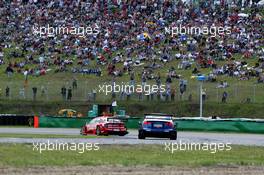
<point>222,125</point>
<point>16,120</point>
<point>62,122</point>
<point>229,125</point>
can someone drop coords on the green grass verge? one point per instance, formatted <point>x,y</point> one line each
<point>22,155</point>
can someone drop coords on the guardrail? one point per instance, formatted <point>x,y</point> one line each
<point>221,125</point>
<point>183,124</point>
<point>16,120</point>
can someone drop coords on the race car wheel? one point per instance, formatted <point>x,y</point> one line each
<point>173,136</point>
<point>141,135</point>
<point>98,131</point>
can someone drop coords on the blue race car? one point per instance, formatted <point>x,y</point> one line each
<point>157,125</point>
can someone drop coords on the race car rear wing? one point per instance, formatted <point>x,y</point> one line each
<point>159,116</point>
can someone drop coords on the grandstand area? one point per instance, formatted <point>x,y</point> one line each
<point>131,47</point>
<point>101,65</point>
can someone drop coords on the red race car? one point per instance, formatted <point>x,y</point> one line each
<point>104,126</point>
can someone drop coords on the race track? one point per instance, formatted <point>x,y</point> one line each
<point>131,138</point>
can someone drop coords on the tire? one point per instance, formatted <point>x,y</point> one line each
<point>98,131</point>
<point>173,136</point>
<point>141,135</point>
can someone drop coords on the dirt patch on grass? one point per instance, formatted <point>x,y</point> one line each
<point>136,170</point>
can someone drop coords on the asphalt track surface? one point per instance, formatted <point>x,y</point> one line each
<point>131,138</point>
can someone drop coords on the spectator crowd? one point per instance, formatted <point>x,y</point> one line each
<point>132,34</point>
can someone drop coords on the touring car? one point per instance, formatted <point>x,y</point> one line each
<point>106,125</point>
<point>157,125</point>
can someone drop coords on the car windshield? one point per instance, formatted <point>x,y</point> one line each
<point>93,121</point>
<point>113,120</point>
<point>97,120</point>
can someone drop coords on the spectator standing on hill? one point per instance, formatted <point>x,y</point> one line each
<point>43,90</point>
<point>168,80</point>
<point>183,87</point>
<point>158,81</point>
<point>34,89</point>
<point>7,91</point>
<point>151,96</point>
<point>122,95</point>
<point>69,97</point>
<point>9,71</point>
<point>158,95</point>
<point>132,79</point>
<point>168,93</point>
<point>128,94</point>
<point>143,80</point>
<point>224,97</point>
<point>63,93</point>
<point>74,84</point>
